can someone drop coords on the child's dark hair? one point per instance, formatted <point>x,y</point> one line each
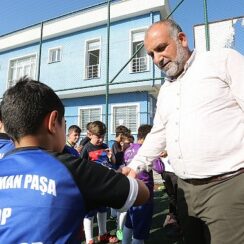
<point>74,128</point>
<point>97,128</point>
<point>121,129</point>
<point>88,125</point>
<point>132,138</point>
<point>127,136</point>
<point>25,105</point>
<point>143,130</point>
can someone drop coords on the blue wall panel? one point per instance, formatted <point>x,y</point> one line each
<point>72,105</point>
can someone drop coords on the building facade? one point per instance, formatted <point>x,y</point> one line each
<point>70,54</point>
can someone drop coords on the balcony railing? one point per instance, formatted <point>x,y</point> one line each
<point>139,64</point>
<point>92,71</point>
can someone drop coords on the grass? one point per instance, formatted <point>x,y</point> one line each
<point>157,233</point>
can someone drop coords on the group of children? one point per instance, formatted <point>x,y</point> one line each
<point>45,191</point>
<point>133,226</point>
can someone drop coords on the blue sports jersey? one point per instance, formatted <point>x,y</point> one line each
<point>44,196</point>
<point>51,202</point>
<point>6,144</point>
<point>96,153</point>
<point>71,150</point>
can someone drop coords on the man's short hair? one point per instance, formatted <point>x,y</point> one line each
<point>174,28</point>
<point>121,129</point>
<point>26,104</point>
<point>143,130</point>
<point>74,128</point>
<point>97,128</point>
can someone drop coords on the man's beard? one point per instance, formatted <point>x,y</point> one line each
<point>175,68</point>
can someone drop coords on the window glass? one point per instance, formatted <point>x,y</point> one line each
<point>20,67</point>
<point>125,115</point>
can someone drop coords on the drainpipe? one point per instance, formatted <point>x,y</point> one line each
<point>206,24</point>
<point>107,80</point>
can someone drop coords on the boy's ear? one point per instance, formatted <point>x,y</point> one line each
<point>52,120</point>
<point>1,127</point>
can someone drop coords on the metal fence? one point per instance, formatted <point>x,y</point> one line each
<point>208,24</point>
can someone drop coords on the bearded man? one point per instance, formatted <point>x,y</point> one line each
<point>200,121</point>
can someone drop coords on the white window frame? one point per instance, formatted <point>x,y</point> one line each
<point>132,31</point>
<point>87,108</point>
<point>99,39</point>
<point>21,57</point>
<point>138,109</point>
<point>52,49</point>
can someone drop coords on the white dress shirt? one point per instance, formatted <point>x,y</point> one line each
<point>200,118</point>
<point>167,164</point>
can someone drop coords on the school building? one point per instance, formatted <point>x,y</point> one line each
<point>70,54</point>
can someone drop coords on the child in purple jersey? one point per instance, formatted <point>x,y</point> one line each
<point>139,219</point>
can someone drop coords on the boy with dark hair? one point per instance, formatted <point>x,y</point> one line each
<point>41,184</point>
<point>139,219</point>
<point>117,152</point>
<point>126,140</point>
<point>6,143</point>
<point>97,151</point>
<point>73,137</point>
<point>86,138</point>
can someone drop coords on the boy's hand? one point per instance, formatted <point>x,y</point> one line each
<point>78,148</point>
<point>163,154</point>
<point>128,172</point>
<point>109,152</point>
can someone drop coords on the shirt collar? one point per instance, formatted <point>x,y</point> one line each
<point>69,144</point>
<point>190,60</point>
<point>4,136</point>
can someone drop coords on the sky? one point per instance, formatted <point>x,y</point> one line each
<point>17,14</point>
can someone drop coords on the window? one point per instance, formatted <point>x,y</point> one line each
<point>127,115</point>
<point>88,114</point>
<point>92,59</point>
<point>140,62</point>
<point>54,55</point>
<point>20,67</point>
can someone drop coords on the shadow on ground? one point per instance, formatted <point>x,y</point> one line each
<point>157,233</point>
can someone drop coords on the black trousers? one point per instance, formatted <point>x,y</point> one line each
<point>170,183</point>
